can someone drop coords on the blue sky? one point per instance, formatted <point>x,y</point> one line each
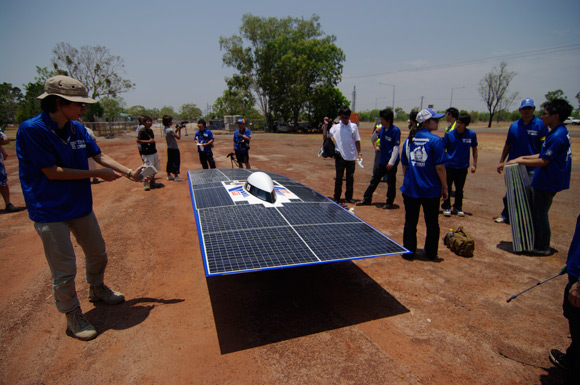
<point>171,48</point>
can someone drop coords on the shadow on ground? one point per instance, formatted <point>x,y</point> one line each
<point>261,308</point>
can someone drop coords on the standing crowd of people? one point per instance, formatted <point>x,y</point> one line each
<point>54,150</point>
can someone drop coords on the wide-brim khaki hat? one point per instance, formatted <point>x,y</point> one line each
<point>67,88</point>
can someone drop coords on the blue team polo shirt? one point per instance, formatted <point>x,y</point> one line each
<point>203,137</point>
<point>557,148</point>
<point>420,157</point>
<point>525,139</point>
<point>389,138</point>
<point>457,146</point>
<point>37,147</point>
<point>237,139</point>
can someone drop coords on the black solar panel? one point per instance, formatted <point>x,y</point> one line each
<point>239,235</point>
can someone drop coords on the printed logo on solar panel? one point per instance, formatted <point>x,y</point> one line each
<point>238,194</point>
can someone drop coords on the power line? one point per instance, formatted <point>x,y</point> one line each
<point>543,51</point>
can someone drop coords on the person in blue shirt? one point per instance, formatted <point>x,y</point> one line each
<point>53,149</point>
<point>204,140</point>
<point>570,361</point>
<point>390,138</point>
<point>242,137</point>
<point>458,143</point>
<point>425,182</point>
<point>525,137</point>
<point>553,168</point>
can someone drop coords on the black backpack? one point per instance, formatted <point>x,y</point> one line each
<point>328,150</point>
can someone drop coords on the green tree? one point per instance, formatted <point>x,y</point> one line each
<point>94,66</point>
<point>493,89</point>
<point>189,111</point>
<point>167,110</point>
<point>324,101</point>
<point>284,61</point>
<point>112,107</point>
<point>30,104</point>
<point>10,97</point>
<point>557,94</point>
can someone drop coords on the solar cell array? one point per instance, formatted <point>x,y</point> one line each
<point>236,236</point>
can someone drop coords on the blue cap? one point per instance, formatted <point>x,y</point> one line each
<point>241,121</point>
<point>427,114</point>
<point>527,102</point>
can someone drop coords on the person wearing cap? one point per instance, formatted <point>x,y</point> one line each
<point>53,149</point>
<point>390,138</point>
<point>424,184</point>
<point>553,169</point>
<point>457,144</point>
<point>242,137</point>
<point>346,140</point>
<point>204,140</point>
<point>525,137</point>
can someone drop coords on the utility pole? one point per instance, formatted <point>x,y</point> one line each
<point>354,99</point>
<point>422,102</point>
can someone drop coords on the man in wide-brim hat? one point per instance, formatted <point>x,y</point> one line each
<point>53,149</point>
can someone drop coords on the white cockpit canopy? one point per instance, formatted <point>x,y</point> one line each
<point>260,185</point>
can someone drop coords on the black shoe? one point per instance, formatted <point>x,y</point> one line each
<point>349,201</point>
<point>409,256</point>
<point>363,203</point>
<point>560,360</point>
<point>389,206</point>
<point>10,208</point>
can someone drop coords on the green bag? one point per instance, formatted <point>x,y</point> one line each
<point>459,242</point>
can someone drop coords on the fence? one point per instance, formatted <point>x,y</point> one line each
<point>110,129</point>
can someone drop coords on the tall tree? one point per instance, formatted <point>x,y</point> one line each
<point>30,105</point>
<point>94,66</point>
<point>557,94</point>
<point>325,101</point>
<point>493,88</point>
<point>10,97</point>
<point>284,61</point>
<point>189,111</point>
<point>112,107</point>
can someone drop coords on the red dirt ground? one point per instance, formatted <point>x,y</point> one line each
<point>375,321</point>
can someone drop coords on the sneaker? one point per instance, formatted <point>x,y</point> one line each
<point>363,203</point>
<point>447,212</point>
<point>460,213</point>
<point>501,219</point>
<point>559,359</point>
<point>146,186</point>
<point>79,326</point>
<point>169,177</point>
<point>178,179</point>
<point>103,293</point>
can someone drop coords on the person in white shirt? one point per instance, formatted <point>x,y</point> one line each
<point>346,140</point>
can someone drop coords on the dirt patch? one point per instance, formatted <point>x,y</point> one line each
<point>380,320</point>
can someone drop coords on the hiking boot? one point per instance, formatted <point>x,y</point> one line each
<point>103,293</point>
<point>447,212</point>
<point>79,326</point>
<point>560,360</point>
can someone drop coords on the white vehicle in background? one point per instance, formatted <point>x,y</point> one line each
<point>572,120</point>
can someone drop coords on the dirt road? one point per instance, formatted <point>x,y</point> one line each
<point>376,321</point>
